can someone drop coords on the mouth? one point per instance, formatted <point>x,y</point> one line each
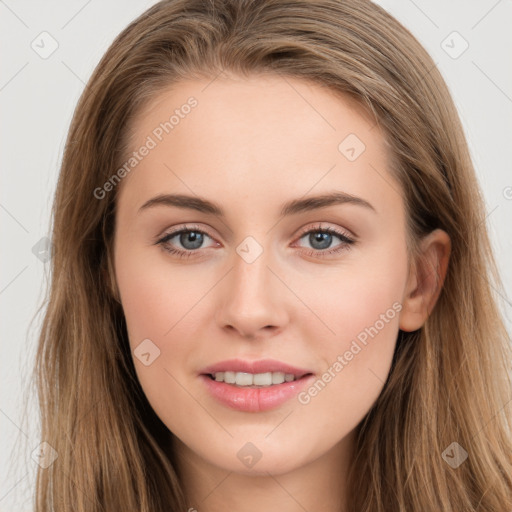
<point>262,373</point>
<point>254,386</point>
<point>255,380</point>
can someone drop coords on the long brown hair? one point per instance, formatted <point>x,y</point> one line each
<point>450,381</point>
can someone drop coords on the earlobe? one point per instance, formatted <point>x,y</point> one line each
<point>426,278</point>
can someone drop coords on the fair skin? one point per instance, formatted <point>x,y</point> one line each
<point>251,145</point>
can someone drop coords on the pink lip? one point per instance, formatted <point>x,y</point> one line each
<point>255,399</point>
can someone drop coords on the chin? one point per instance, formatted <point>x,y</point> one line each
<point>253,455</point>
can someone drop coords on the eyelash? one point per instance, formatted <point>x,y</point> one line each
<point>347,241</point>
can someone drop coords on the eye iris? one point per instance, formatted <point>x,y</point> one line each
<point>191,236</point>
<point>325,238</point>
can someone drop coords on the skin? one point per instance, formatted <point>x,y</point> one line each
<point>251,145</point>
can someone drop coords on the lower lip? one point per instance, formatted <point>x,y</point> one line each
<point>255,399</point>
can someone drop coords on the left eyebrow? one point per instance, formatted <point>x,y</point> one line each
<point>290,208</point>
<point>322,201</point>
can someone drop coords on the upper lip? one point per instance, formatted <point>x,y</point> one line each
<point>261,366</point>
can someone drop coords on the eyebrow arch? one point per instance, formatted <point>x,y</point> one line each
<point>290,208</point>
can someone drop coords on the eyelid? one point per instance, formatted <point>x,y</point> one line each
<point>321,227</point>
<point>183,227</point>
<point>341,233</point>
<point>308,228</point>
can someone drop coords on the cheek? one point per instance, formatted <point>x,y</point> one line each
<point>164,304</point>
<point>155,295</point>
<point>161,305</point>
<point>354,296</point>
<point>362,308</point>
<point>355,371</point>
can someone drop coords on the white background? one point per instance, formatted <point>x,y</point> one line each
<point>38,96</point>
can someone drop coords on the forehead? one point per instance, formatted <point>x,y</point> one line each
<point>268,137</point>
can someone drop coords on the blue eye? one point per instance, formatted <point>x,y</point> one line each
<point>321,241</point>
<point>192,238</point>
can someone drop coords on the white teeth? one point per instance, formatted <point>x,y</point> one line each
<point>229,377</point>
<point>244,379</point>
<point>278,377</point>
<point>253,379</point>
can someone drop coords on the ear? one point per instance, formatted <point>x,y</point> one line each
<point>425,281</point>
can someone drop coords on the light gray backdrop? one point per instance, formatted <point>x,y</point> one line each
<point>49,50</point>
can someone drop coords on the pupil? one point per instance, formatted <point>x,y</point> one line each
<point>317,240</point>
<point>321,237</point>
<point>192,236</point>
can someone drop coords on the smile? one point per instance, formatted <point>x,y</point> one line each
<point>250,397</point>
<point>254,380</point>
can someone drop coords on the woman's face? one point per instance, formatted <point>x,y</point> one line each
<point>276,276</point>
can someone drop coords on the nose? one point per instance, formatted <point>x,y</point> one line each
<point>253,299</point>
